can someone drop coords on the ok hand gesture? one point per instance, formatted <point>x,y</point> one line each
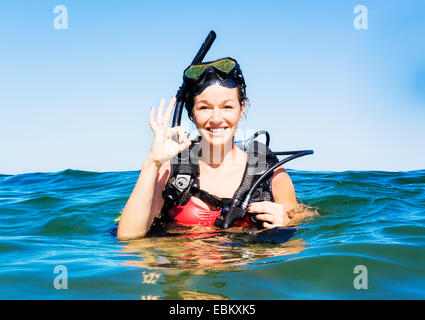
<point>163,147</point>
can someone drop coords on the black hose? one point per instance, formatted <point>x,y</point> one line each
<point>237,210</point>
<point>269,172</point>
<point>255,135</point>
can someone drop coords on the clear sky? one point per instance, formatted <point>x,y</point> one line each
<point>79,98</point>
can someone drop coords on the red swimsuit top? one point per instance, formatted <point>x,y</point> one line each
<point>192,213</point>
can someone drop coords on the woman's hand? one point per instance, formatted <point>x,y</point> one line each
<point>271,213</point>
<point>163,147</point>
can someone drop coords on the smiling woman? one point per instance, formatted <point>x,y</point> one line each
<point>197,193</point>
<point>216,114</point>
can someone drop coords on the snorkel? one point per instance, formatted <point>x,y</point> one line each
<point>227,73</point>
<point>181,93</point>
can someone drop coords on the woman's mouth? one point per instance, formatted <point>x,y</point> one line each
<point>217,131</point>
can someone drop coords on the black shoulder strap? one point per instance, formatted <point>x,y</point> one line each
<point>184,172</point>
<point>211,199</point>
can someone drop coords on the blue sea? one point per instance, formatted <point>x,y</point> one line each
<point>57,242</point>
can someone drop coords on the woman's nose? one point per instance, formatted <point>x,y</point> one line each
<point>216,115</point>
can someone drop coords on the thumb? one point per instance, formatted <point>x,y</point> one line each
<point>184,145</point>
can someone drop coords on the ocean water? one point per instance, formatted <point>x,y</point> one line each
<point>57,242</point>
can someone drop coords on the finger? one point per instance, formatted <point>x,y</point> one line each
<point>182,136</point>
<point>186,138</point>
<point>173,132</point>
<point>184,146</point>
<point>159,118</point>
<point>257,207</point>
<point>169,112</point>
<point>268,225</point>
<point>152,122</point>
<point>264,206</point>
<point>264,217</point>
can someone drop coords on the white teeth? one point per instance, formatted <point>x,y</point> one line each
<point>216,130</point>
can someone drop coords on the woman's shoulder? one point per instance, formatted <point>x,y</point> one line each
<point>281,178</point>
<point>283,188</point>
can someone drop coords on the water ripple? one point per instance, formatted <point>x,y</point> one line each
<point>373,218</point>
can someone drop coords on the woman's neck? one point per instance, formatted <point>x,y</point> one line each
<point>216,156</point>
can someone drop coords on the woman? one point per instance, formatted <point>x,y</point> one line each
<point>216,101</point>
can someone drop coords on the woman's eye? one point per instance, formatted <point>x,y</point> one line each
<point>203,108</point>
<point>228,107</point>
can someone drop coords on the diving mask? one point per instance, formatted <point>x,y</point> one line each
<point>225,72</point>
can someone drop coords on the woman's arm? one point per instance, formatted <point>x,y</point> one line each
<point>283,189</point>
<point>284,193</point>
<point>146,201</point>
<point>285,207</point>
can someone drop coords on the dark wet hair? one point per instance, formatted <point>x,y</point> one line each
<point>190,101</point>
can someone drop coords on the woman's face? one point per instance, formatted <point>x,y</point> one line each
<point>216,113</point>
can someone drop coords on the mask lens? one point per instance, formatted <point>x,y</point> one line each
<point>224,65</point>
<point>194,72</point>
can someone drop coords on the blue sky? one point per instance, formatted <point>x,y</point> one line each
<point>80,98</point>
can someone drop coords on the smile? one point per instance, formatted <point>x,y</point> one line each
<point>216,131</point>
